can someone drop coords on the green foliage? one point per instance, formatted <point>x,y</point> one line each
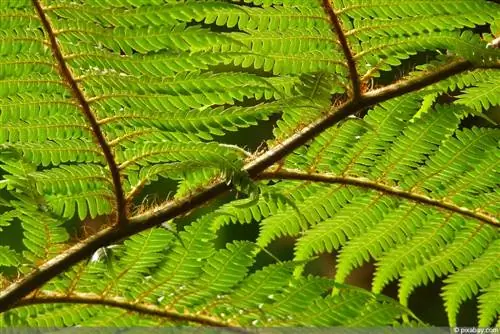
<point>213,283</point>
<point>166,86</point>
<point>426,154</point>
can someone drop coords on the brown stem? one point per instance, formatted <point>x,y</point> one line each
<point>85,248</point>
<point>351,64</point>
<point>290,174</point>
<point>118,302</point>
<point>139,223</point>
<point>84,106</point>
<point>349,108</point>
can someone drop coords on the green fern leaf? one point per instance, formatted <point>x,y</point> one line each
<point>220,273</point>
<point>256,289</point>
<point>468,244</point>
<point>347,223</point>
<point>483,96</point>
<point>391,231</point>
<point>465,283</point>
<point>489,305</point>
<point>101,98</point>
<point>185,263</point>
<point>8,257</point>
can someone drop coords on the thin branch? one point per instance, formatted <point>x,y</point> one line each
<point>85,248</point>
<point>82,101</point>
<point>351,64</point>
<point>139,223</point>
<point>349,108</point>
<point>290,174</point>
<point>122,303</point>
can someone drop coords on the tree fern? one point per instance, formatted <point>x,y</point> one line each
<point>425,244</point>
<point>100,100</point>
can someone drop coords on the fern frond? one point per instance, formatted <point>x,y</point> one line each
<point>43,234</point>
<point>438,231</point>
<point>466,282</point>
<point>381,27</point>
<point>141,255</point>
<point>330,147</point>
<point>61,151</point>
<point>220,273</point>
<point>100,98</point>
<point>390,50</point>
<point>168,271</point>
<point>71,179</point>
<point>91,203</point>
<point>455,157</point>
<point>51,316</point>
<point>31,85</point>
<point>209,12</point>
<point>393,230</point>
<point>483,96</point>
<point>483,178</point>
<point>252,293</point>
<point>209,154</point>
<point>86,60</point>
<point>17,18</point>
<point>489,305</point>
<point>462,80</point>
<point>240,211</point>
<point>401,8</point>
<point>9,257</point>
<point>185,89</point>
<point>55,128</point>
<point>12,67</point>
<point>317,207</point>
<point>418,140</point>
<point>297,296</point>
<point>407,240</point>
<point>205,122</point>
<point>387,121</point>
<point>22,41</point>
<point>176,37</point>
<point>467,244</point>
<point>151,14</point>
<point>42,240</point>
<point>352,220</point>
<point>184,264</point>
<point>32,107</point>
<point>274,48</point>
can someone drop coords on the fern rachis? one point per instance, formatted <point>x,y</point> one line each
<point>100,100</point>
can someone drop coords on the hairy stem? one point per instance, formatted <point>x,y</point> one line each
<point>65,72</point>
<point>337,30</point>
<point>118,302</point>
<point>349,108</point>
<point>290,174</point>
<point>84,249</point>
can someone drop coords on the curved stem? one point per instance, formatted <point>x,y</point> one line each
<point>351,64</point>
<point>291,174</point>
<point>349,108</point>
<point>68,78</point>
<point>139,223</point>
<point>122,303</point>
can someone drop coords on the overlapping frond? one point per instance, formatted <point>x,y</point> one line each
<point>155,87</point>
<point>483,96</point>
<point>190,282</point>
<point>405,151</point>
<point>465,283</point>
<point>44,235</point>
<point>168,66</point>
<point>144,67</point>
<point>385,32</point>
